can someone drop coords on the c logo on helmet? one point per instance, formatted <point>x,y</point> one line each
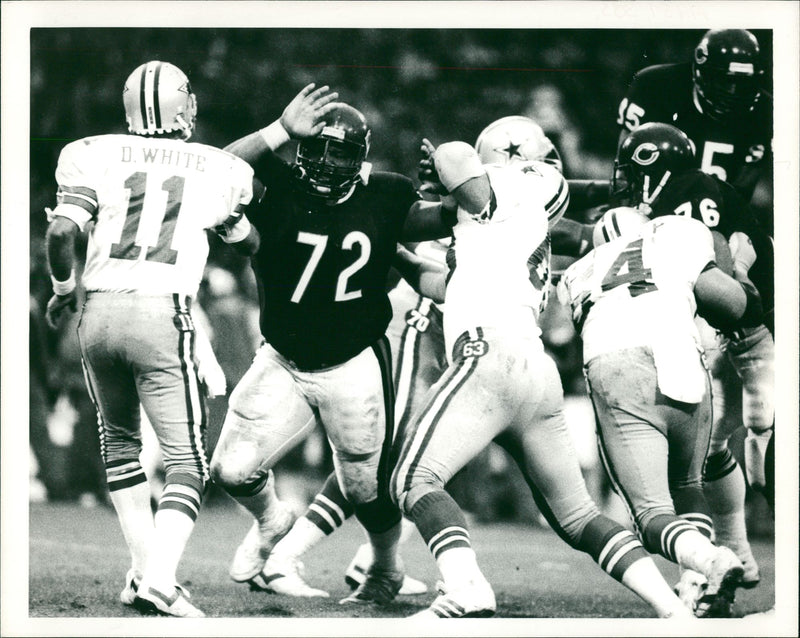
<point>645,154</point>
<point>701,53</point>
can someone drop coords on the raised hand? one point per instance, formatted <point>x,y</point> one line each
<point>426,170</point>
<point>304,116</point>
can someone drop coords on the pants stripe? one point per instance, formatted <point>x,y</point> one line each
<point>386,465</point>
<point>407,366</point>
<point>610,472</point>
<point>195,408</point>
<point>432,413</point>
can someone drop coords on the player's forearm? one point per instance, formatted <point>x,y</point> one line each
<point>252,147</point>
<point>426,277</point>
<point>571,238</point>
<point>60,246</point>
<point>426,221</point>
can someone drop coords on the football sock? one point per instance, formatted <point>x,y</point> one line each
<point>177,512</point>
<point>326,513</point>
<point>643,578</point>
<point>755,448</point>
<point>384,548</point>
<point>130,495</point>
<point>692,550</point>
<point>444,529</point>
<point>261,498</point>
<point>329,509</point>
<point>725,493</point>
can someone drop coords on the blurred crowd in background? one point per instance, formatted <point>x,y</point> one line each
<point>410,84</point>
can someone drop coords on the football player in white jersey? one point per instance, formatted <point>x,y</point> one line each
<point>634,304</point>
<point>501,385</point>
<point>146,200</point>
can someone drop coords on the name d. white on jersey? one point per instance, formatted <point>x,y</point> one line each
<point>151,201</point>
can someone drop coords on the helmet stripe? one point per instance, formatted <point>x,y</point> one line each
<point>604,228</point>
<point>142,99</point>
<point>156,105</point>
<point>615,224</point>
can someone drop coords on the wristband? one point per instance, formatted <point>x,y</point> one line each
<point>62,288</point>
<point>274,135</point>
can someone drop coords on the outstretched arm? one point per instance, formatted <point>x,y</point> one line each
<point>426,277</point>
<point>303,117</point>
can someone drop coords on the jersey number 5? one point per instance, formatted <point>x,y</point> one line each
<point>318,242</point>
<point>161,252</point>
<point>628,268</point>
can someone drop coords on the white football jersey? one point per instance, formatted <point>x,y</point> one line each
<point>638,290</point>
<point>151,201</point>
<point>489,283</point>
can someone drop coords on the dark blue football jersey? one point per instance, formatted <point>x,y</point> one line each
<point>718,205</point>
<point>322,269</point>
<point>737,151</point>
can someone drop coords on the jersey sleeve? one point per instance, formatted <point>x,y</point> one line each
<point>77,172</point>
<point>404,195</point>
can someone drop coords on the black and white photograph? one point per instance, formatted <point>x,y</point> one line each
<point>356,318</point>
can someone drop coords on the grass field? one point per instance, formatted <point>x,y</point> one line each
<point>78,560</point>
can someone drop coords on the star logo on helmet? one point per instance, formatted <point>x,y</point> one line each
<point>511,151</point>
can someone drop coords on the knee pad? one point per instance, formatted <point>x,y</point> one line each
<point>378,516</point>
<point>235,484</point>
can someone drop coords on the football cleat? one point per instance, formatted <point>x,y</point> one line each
<point>724,577</point>
<point>472,600</point>
<point>752,575</point>
<point>252,553</point>
<point>284,575</point>
<point>356,572</point>
<point>152,602</point>
<point>379,587</point>
<point>132,581</point>
<point>690,588</point>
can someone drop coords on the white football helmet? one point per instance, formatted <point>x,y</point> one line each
<point>515,139</point>
<point>158,99</point>
<point>617,222</point>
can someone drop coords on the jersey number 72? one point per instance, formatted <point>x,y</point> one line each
<point>318,242</point>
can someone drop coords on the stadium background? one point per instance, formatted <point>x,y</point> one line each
<point>441,84</point>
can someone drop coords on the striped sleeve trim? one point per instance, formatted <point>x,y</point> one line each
<point>84,198</point>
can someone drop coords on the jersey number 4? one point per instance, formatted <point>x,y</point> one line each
<point>161,252</point>
<point>629,269</point>
<point>318,242</point>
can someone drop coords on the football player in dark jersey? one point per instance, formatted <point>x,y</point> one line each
<point>655,172</point>
<point>330,229</point>
<point>719,100</point>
